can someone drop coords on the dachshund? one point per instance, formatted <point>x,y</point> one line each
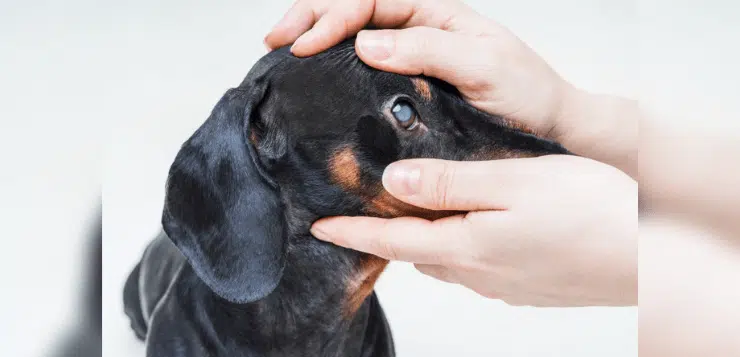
<point>235,271</point>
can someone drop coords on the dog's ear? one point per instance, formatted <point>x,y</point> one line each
<point>222,209</point>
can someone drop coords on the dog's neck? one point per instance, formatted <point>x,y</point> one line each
<point>320,307</point>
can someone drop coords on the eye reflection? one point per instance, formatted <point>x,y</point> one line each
<point>405,114</point>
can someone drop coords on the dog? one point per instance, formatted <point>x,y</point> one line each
<point>235,271</point>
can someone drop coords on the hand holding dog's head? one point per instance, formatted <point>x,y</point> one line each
<point>301,139</point>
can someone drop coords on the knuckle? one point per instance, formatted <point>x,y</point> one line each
<point>388,249</point>
<point>441,187</point>
<point>385,243</point>
<point>345,26</point>
<point>449,23</point>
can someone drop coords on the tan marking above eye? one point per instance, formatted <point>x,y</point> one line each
<point>344,169</point>
<point>422,87</point>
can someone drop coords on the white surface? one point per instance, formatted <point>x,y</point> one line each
<point>154,69</point>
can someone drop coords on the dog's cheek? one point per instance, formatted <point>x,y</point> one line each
<point>377,142</point>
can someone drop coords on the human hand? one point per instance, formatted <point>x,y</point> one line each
<point>545,231</point>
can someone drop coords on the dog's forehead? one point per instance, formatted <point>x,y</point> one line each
<point>324,95</point>
<point>337,69</point>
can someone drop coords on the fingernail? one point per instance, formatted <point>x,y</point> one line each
<point>377,45</point>
<point>305,38</point>
<point>319,233</point>
<point>402,178</point>
<point>293,45</point>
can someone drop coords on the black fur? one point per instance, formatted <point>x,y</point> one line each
<point>235,271</point>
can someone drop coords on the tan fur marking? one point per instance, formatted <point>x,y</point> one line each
<point>518,126</point>
<point>387,206</point>
<point>253,138</point>
<point>344,169</point>
<point>362,284</point>
<point>382,204</point>
<point>422,87</point>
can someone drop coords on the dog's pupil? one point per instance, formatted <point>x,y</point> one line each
<point>403,112</point>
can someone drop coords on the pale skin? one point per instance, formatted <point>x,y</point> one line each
<point>547,231</point>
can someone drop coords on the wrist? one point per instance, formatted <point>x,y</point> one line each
<point>601,127</point>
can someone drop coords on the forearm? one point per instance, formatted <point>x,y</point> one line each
<point>691,173</point>
<point>600,127</point>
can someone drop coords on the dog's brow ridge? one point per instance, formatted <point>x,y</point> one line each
<point>422,87</point>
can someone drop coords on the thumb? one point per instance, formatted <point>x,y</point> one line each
<point>425,50</point>
<point>456,185</point>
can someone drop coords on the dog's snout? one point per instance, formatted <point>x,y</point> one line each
<point>518,145</point>
<point>541,147</point>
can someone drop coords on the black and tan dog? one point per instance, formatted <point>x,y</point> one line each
<point>236,272</point>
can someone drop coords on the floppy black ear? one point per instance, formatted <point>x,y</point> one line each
<point>221,209</point>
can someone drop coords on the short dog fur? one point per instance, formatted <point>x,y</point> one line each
<point>235,271</point>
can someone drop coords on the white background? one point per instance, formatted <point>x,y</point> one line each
<point>149,72</point>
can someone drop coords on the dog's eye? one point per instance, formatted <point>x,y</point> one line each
<point>405,114</point>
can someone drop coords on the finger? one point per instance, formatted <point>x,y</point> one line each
<point>407,239</point>
<point>448,15</point>
<point>337,24</point>
<point>438,272</point>
<point>345,19</point>
<point>453,57</point>
<point>299,19</point>
<point>460,185</point>
<point>313,27</point>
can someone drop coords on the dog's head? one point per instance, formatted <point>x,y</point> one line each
<point>301,139</point>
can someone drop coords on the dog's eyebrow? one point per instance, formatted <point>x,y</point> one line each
<point>344,168</point>
<point>422,87</point>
